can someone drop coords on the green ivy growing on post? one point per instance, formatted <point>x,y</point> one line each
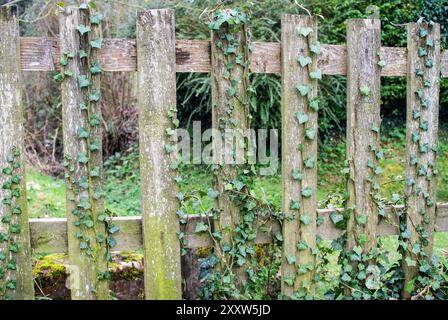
<point>86,191</point>
<point>428,283</point>
<point>10,225</point>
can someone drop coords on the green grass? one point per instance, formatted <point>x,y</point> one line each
<point>46,195</point>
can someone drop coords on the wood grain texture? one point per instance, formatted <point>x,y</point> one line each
<point>363,114</point>
<point>421,169</point>
<point>84,269</point>
<point>293,157</point>
<point>156,97</point>
<point>12,137</point>
<point>230,119</point>
<point>50,235</point>
<point>42,54</point>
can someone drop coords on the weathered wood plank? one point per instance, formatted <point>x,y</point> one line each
<point>11,155</point>
<point>156,97</point>
<point>299,150</point>
<point>87,257</point>
<point>42,54</point>
<point>421,138</point>
<point>231,119</point>
<point>50,235</point>
<point>363,123</point>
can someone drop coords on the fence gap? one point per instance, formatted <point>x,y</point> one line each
<point>14,227</point>
<point>87,256</point>
<point>363,124</point>
<point>156,98</point>
<point>423,75</point>
<point>229,111</point>
<point>299,149</point>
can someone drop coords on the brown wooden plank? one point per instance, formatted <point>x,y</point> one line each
<point>42,54</point>
<point>156,98</point>
<point>363,123</point>
<point>420,140</point>
<point>50,235</point>
<point>12,152</point>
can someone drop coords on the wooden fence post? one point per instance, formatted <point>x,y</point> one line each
<point>423,74</point>
<point>16,278</point>
<point>82,157</point>
<point>363,123</point>
<point>230,113</point>
<point>300,51</point>
<point>156,58</point>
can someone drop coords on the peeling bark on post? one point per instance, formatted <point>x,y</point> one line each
<point>12,136</point>
<point>84,283</point>
<point>296,149</point>
<point>156,58</point>
<point>229,113</point>
<point>363,123</point>
<point>421,160</point>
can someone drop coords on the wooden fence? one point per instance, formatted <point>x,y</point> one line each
<point>156,56</point>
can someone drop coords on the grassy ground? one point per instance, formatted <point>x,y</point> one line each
<point>46,195</point>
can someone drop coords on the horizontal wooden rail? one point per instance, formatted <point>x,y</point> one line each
<point>50,235</point>
<point>42,54</point>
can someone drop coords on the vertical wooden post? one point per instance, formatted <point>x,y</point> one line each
<point>156,58</point>
<point>363,123</point>
<point>423,74</point>
<point>299,150</point>
<point>230,113</point>
<point>16,278</point>
<point>86,253</point>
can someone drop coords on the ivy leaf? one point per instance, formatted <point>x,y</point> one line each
<point>83,81</point>
<point>96,18</point>
<point>68,73</point>
<point>296,175</point>
<point>310,133</point>
<point>113,229</point>
<point>430,43</point>
<point>304,89</point>
<point>82,158</point>
<point>95,68</point>
<point>95,145</point>
<point>291,259</point>
<point>304,61</point>
<point>83,133</point>
<point>16,210</point>
<point>302,118</point>
<point>315,47</point>
<point>395,198</point>
<point>95,120</point>
<point>410,262</point>
<point>97,43</point>
<point>83,29</point>
<point>309,162</point>
<point>416,114</point>
<point>424,125</point>
<point>294,205</point>
<point>82,54</point>
<point>95,172</point>
<point>201,227</point>
<point>375,128</point>
<point>361,219</point>
<point>63,62</point>
<point>302,245</point>
<point>313,104</point>
<point>212,193</point>
<point>423,32</point>
<point>307,192</point>
<point>429,63</point>
<point>336,217</point>
<point>422,52</point>
<point>95,96</point>
<point>83,106</point>
<point>169,148</point>
<point>305,219</point>
<point>316,75</point>
<point>381,63</point>
<point>305,31</point>
<point>365,91</point>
